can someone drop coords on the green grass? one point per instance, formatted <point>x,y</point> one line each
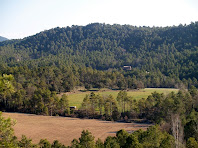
<point>75,99</point>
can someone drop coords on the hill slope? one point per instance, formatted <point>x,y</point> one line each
<point>3,39</point>
<point>171,50</point>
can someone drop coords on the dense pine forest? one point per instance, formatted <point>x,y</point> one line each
<point>35,69</point>
<point>159,57</point>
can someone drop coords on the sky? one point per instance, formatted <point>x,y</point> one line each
<point>22,18</point>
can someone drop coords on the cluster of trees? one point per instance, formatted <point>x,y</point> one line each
<point>160,57</point>
<point>31,100</point>
<point>176,113</point>
<point>123,139</point>
<point>107,107</point>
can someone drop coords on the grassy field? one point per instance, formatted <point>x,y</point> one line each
<point>65,129</point>
<point>75,99</point>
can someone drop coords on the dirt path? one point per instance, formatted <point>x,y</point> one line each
<point>65,129</point>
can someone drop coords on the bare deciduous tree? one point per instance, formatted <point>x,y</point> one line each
<point>177,130</point>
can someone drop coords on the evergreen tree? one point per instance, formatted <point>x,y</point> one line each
<point>86,139</point>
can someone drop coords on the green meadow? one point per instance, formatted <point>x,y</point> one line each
<point>75,99</point>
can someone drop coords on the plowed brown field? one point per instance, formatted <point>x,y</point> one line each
<point>65,129</point>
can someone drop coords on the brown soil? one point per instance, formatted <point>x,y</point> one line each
<point>65,129</point>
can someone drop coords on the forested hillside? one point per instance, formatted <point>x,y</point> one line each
<point>160,57</point>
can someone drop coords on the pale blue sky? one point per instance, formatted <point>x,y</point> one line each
<point>21,18</point>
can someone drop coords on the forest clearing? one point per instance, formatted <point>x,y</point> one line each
<point>76,98</point>
<point>65,129</point>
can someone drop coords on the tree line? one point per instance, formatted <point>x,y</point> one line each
<point>66,78</point>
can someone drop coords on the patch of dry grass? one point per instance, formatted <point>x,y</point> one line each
<point>65,129</point>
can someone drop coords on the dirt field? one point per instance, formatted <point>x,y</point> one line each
<point>65,129</point>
